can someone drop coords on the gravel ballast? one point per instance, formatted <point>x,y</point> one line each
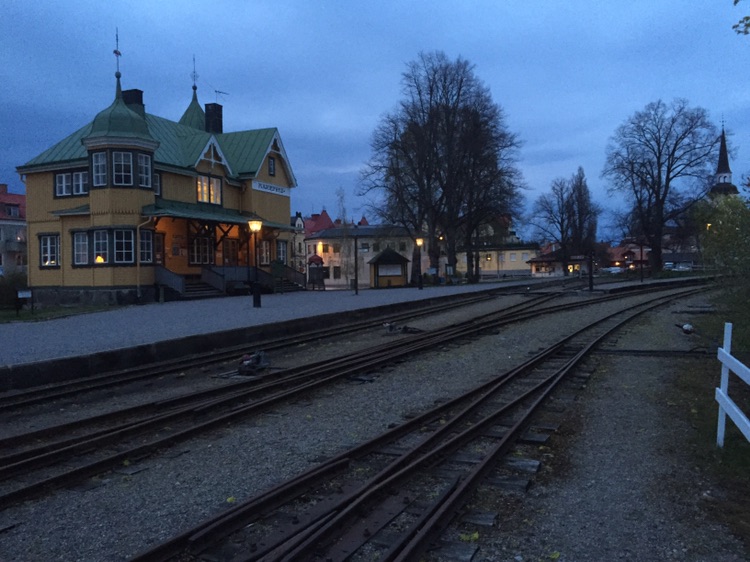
<point>629,493</point>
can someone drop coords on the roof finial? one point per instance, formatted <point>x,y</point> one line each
<point>194,75</point>
<point>117,52</point>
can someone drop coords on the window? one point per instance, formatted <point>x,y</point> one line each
<point>325,248</point>
<point>49,250</point>
<point>122,168</point>
<point>525,256</point>
<point>402,246</point>
<point>80,183</point>
<point>336,272</point>
<point>264,249</point>
<point>512,256</point>
<point>156,183</point>
<point>147,246</point>
<point>337,248</point>
<point>364,247</point>
<point>81,248</point>
<point>101,246</point>
<point>208,190</point>
<point>281,250</point>
<point>144,170</point>
<point>63,185</point>
<point>124,246</point>
<point>12,210</point>
<point>201,250</point>
<point>99,168</point>
<point>271,166</point>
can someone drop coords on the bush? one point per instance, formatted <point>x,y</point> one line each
<point>9,286</point>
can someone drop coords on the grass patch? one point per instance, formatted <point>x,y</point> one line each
<point>728,467</point>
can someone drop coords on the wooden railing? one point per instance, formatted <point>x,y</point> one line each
<point>727,406</point>
<point>164,277</point>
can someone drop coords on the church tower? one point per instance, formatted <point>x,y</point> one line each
<point>723,179</point>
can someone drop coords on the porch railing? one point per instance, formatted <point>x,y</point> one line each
<point>164,277</point>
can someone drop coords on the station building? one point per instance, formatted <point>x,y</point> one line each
<point>135,207</point>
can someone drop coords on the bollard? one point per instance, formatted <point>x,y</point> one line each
<point>256,295</point>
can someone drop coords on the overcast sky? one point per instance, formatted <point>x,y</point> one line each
<point>566,73</point>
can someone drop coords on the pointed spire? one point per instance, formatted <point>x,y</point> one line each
<point>194,115</point>
<point>723,167</point>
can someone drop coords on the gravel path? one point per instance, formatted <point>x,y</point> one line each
<point>614,501</point>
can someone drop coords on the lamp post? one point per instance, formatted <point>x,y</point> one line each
<point>356,265</point>
<point>419,242</point>
<point>255,226</point>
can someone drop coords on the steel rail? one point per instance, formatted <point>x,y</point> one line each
<point>239,516</point>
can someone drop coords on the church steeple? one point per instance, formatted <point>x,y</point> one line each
<point>723,179</point>
<point>194,115</point>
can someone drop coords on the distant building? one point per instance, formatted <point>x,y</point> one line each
<point>333,251</point>
<point>13,252</point>
<point>133,206</point>
<point>723,179</point>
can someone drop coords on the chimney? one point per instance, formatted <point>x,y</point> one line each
<point>3,188</point>
<point>134,100</point>
<point>214,119</point>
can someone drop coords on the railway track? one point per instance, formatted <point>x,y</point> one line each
<point>390,498</point>
<point>36,462</point>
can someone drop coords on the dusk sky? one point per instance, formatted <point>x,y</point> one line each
<point>566,74</point>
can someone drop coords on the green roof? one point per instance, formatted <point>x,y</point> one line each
<point>205,212</point>
<point>180,145</point>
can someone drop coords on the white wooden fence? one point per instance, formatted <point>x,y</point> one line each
<point>727,407</point>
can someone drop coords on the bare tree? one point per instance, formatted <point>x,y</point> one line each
<point>439,152</point>
<point>661,158</point>
<point>552,218</point>
<point>567,216</point>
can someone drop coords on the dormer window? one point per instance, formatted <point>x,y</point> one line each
<point>122,168</point>
<point>271,166</point>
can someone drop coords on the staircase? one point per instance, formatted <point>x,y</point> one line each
<point>284,285</point>
<point>197,289</point>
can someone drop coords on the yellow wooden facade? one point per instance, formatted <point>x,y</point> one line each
<point>166,217</point>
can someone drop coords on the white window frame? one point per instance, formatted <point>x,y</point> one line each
<point>101,246</point>
<point>124,242</point>
<point>147,246</point>
<point>156,183</point>
<point>281,250</point>
<point>63,185</point>
<point>264,252</point>
<point>80,183</point>
<point>208,190</point>
<point>122,168</point>
<point>80,248</point>
<point>201,251</point>
<point>144,170</point>
<point>271,166</point>
<point>49,250</point>
<point>99,168</point>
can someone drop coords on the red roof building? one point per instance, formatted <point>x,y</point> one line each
<point>13,256</point>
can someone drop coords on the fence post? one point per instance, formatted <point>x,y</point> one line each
<point>724,385</point>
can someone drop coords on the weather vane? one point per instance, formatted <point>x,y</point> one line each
<point>117,52</point>
<point>194,75</point>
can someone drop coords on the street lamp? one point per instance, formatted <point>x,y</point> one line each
<point>419,242</point>
<point>255,226</point>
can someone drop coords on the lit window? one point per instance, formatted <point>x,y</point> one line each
<point>80,183</point>
<point>208,190</point>
<point>99,168</point>
<point>124,246</point>
<point>101,246</point>
<point>122,168</point>
<point>325,249</point>
<point>49,250</point>
<point>144,170</point>
<point>80,248</point>
<point>63,185</point>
